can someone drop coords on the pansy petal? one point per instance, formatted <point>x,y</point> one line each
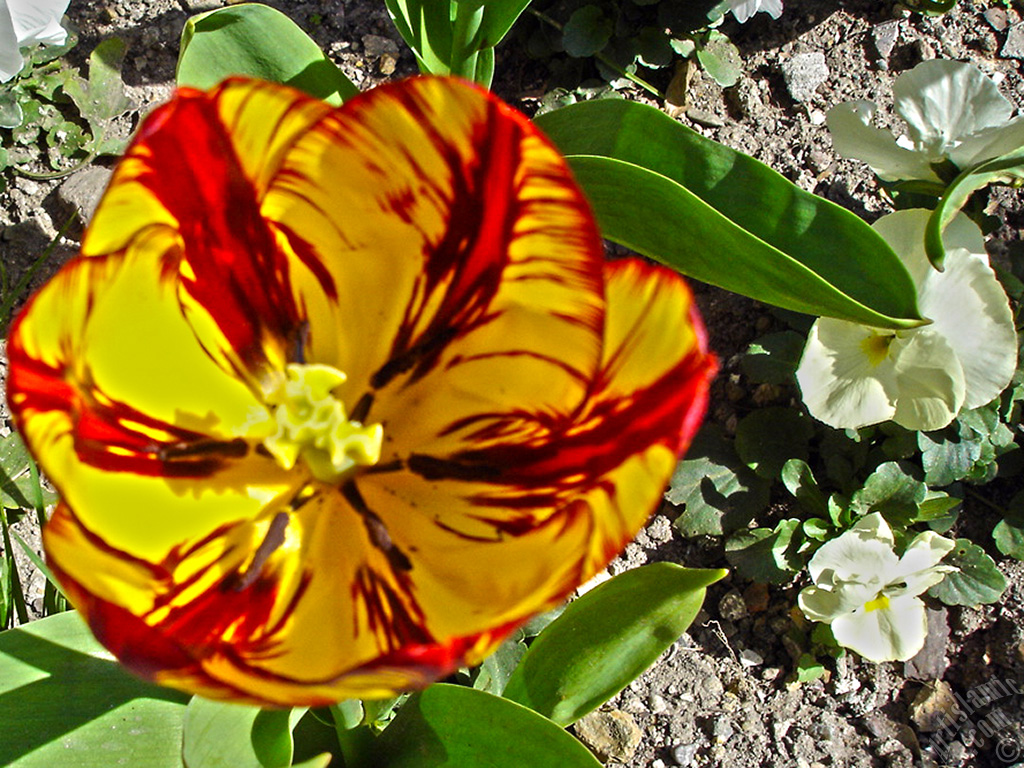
<point>853,558</point>
<point>431,217</point>
<point>854,137</point>
<point>845,375</point>
<point>10,57</point>
<point>826,605</point>
<point>943,101</point>
<point>988,144</point>
<point>895,632</point>
<point>919,568</point>
<point>38,21</point>
<point>190,156</point>
<point>929,379</point>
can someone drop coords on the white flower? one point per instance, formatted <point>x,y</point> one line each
<point>744,9</point>
<point>953,112</point>
<point>24,23</point>
<point>854,375</point>
<point>868,595</point>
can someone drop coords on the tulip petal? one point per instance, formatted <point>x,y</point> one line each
<point>190,156</point>
<point>433,217</point>
<point>472,521</point>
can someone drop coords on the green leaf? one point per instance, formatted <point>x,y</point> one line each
<point>587,31</point>
<point>763,554</point>
<point>102,98</point>
<point>1009,539</point>
<point>450,726</point>
<point>669,193</point>
<point>1007,168</point>
<point>773,359</point>
<point>607,638</point>
<point>891,491</point>
<point>257,41</point>
<point>721,59</point>
<point>220,734</point>
<point>718,493</point>
<point>808,668</point>
<point>769,437</point>
<point>497,668</point>
<point>947,456</point>
<point>67,703</point>
<point>800,482</point>
<point>978,580</point>
<point>11,113</point>
<point>426,26</point>
<point>16,483</point>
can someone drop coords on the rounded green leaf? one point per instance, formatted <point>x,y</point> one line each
<point>257,41</point>
<point>607,638</point>
<point>65,701</point>
<point>977,579</point>
<point>724,218</point>
<point>449,726</point>
<point>769,437</point>
<point>586,32</point>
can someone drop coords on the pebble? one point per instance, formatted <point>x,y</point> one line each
<point>817,117</point>
<point>732,607</point>
<point>749,658</point>
<point>933,707</point>
<point>722,730</point>
<point>657,704</point>
<point>1013,48</point>
<point>930,662</point>
<point>803,74</point>
<point>996,18</point>
<point>611,735</point>
<point>658,763</point>
<point>884,36</point>
<point>80,192</point>
<point>683,754</point>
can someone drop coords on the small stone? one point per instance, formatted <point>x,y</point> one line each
<point>384,49</point>
<point>703,117</point>
<point>934,706</point>
<point>930,663</point>
<point>996,18</point>
<point>749,658</point>
<point>658,763</point>
<point>722,730</point>
<point>732,606</point>
<point>81,191</point>
<point>803,74</point>
<point>884,36</point>
<point>683,754</point>
<point>611,735</point>
<point>755,597</point>
<point>817,117</point>
<point>657,704</point>
<point>1013,48</point>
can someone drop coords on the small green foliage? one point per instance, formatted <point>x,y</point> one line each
<point>769,437</point>
<point>768,555</point>
<point>57,120</point>
<point>977,579</point>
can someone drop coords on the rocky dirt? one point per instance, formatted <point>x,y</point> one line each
<point>724,694</point>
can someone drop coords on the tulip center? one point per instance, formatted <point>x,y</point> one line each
<point>313,424</point>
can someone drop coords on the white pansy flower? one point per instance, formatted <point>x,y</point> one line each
<point>868,595</point>
<point>854,375</point>
<point>953,113</point>
<point>744,9</point>
<point>24,23</point>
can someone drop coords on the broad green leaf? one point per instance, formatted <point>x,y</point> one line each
<point>497,668</point>
<point>769,437</point>
<point>722,217</point>
<point>499,16</point>
<point>1009,539</point>
<point>426,26</point>
<point>607,638</point>
<point>947,456</point>
<point>977,579</point>
<point>760,554</point>
<point>891,491</point>
<point>102,97</point>
<point>11,113</point>
<point>1006,169</point>
<point>219,734</point>
<point>800,482</point>
<point>66,702</point>
<point>450,726</point>
<point>773,358</point>
<point>257,41</point>
<point>587,31</point>
<point>719,494</point>
<point>721,59</point>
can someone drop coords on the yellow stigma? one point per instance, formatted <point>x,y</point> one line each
<point>312,423</point>
<point>880,603</point>
<point>876,347</point>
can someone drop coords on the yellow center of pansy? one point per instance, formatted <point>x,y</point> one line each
<point>880,603</point>
<point>876,347</point>
<point>313,424</point>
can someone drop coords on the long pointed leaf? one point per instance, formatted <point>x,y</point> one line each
<point>724,218</point>
<point>607,638</point>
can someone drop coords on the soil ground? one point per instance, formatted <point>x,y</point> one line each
<point>723,695</point>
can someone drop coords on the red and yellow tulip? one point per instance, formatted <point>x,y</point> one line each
<point>337,398</point>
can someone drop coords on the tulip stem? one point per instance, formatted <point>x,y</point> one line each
<point>468,17</point>
<point>355,739</point>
